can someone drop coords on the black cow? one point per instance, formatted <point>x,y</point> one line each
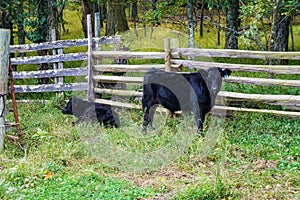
<point>90,111</point>
<point>194,92</point>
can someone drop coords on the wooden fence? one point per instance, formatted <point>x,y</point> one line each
<point>59,58</point>
<point>174,58</point>
<point>170,59</point>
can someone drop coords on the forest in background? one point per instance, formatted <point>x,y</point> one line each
<point>257,24</point>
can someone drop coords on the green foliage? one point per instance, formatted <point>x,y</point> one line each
<point>68,187</point>
<point>218,4</point>
<point>257,17</point>
<point>33,29</point>
<point>289,7</point>
<point>206,191</point>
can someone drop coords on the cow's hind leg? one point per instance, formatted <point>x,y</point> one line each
<point>200,117</point>
<point>148,117</point>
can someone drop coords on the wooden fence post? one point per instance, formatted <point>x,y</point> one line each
<point>98,46</point>
<point>91,95</point>
<point>97,20</point>
<point>167,55</point>
<point>167,46</point>
<point>4,56</point>
<point>59,65</point>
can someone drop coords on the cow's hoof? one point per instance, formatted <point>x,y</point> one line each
<point>144,128</point>
<point>200,133</point>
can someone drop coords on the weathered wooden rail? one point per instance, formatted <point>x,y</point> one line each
<point>290,104</point>
<point>58,58</point>
<point>175,59</point>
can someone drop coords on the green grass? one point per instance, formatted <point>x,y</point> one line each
<point>246,156</point>
<point>66,187</point>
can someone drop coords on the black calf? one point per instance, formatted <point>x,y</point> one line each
<point>90,111</point>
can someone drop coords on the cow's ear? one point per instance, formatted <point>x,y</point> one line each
<point>226,73</point>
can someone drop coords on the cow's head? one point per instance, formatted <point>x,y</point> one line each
<point>68,108</point>
<point>214,79</point>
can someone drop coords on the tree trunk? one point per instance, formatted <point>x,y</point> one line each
<point>7,24</point>
<point>292,36</point>
<point>21,30</point>
<point>155,22</point>
<point>103,9</point>
<point>232,23</point>
<point>4,20</point>
<point>116,17</point>
<point>282,36</point>
<point>86,8</point>
<point>21,33</point>
<point>201,18</point>
<point>134,15</point>
<point>219,28</point>
<point>52,19</point>
<point>42,11</point>
<point>60,19</point>
<point>153,5</point>
<point>274,26</point>
<point>134,10</point>
<point>189,12</point>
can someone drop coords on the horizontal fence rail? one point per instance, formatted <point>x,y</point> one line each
<point>63,44</point>
<point>51,88</point>
<point>51,73</point>
<point>287,101</point>
<point>277,69</point>
<point>230,53</point>
<point>53,59</point>
<point>179,58</point>
<point>264,81</point>
<point>131,68</point>
<point>216,108</point>
<point>49,59</point>
<point>128,55</point>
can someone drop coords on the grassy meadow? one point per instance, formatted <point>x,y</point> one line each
<point>243,156</point>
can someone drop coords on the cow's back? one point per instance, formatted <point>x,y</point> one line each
<point>175,91</point>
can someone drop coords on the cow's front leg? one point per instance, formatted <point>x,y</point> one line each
<point>78,121</point>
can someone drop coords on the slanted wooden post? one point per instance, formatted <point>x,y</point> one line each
<point>4,56</point>
<point>91,95</point>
